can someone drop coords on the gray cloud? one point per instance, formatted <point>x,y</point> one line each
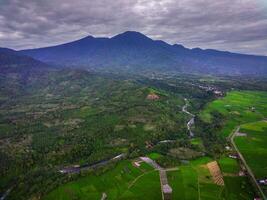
<point>234,25</point>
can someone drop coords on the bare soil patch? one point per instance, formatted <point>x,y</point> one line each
<point>215,172</point>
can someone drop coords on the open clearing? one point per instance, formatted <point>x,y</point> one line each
<point>238,107</point>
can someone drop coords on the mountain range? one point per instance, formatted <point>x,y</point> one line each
<point>134,52</point>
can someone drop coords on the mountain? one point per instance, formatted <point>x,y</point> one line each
<point>18,71</point>
<point>133,51</point>
<point>13,61</point>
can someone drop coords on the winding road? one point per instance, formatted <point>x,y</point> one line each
<point>78,169</point>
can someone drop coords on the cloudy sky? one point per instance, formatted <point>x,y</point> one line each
<point>234,25</point>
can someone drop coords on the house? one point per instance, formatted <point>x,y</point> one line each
<point>228,148</point>
<point>233,156</point>
<point>167,192</point>
<point>241,173</point>
<point>262,181</point>
<point>217,92</point>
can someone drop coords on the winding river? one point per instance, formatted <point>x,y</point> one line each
<point>191,122</point>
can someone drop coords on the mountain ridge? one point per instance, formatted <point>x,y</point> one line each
<point>134,51</point>
<point>12,61</point>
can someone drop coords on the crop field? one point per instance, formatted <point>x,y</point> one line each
<point>253,147</point>
<point>122,182</point>
<point>229,165</point>
<point>194,181</point>
<point>190,181</point>
<point>237,107</point>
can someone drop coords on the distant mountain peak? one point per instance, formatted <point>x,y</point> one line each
<point>89,37</point>
<point>131,35</point>
<point>6,50</point>
<point>178,46</point>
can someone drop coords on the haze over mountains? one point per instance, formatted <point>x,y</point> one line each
<point>134,52</point>
<point>11,61</point>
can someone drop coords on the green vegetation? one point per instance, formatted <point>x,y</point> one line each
<point>229,165</point>
<point>238,188</point>
<point>238,107</point>
<point>245,108</point>
<point>190,181</point>
<point>154,156</point>
<point>253,146</point>
<point>56,119</point>
<point>197,143</point>
<point>219,118</point>
<point>74,117</point>
<point>122,182</point>
<point>193,181</point>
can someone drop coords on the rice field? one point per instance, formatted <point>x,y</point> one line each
<point>238,107</point>
<point>122,182</point>
<point>190,181</point>
<point>253,147</point>
<point>194,181</point>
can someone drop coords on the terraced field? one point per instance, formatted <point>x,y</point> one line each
<point>238,107</point>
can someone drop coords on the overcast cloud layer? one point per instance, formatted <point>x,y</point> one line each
<point>234,25</point>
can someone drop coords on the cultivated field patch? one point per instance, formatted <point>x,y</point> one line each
<point>215,172</point>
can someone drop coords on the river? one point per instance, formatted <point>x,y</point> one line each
<point>191,122</point>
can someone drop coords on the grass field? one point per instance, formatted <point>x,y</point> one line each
<point>253,147</point>
<point>238,107</point>
<point>193,181</point>
<point>122,182</point>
